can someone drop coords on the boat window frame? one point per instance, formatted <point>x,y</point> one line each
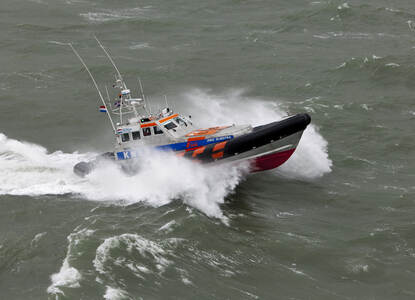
<point>179,121</point>
<point>136,132</point>
<point>157,130</point>
<point>169,127</point>
<point>125,137</point>
<point>146,131</point>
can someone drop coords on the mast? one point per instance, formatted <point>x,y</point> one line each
<point>142,94</point>
<point>127,104</point>
<point>95,84</point>
<point>108,98</point>
<point>112,62</point>
<point>125,92</point>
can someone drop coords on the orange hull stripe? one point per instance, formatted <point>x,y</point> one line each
<point>207,131</point>
<point>217,155</point>
<point>198,151</point>
<point>168,118</point>
<point>148,125</point>
<point>219,146</point>
<point>195,139</point>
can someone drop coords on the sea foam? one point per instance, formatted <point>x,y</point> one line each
<point>68,276</point>
<point>28,169</point>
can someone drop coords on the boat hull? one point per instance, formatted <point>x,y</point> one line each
<point>271,161</point>
<point>268,156</point>
<point>265,147</point>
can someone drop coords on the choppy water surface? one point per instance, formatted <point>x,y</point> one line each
<point>335,222</point>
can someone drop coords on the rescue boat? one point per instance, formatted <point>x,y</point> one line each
<point>264,147</point>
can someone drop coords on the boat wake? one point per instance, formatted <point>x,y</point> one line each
<point>28,169</point>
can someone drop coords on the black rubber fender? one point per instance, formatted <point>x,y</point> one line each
<point>83,168</point>
<point>260,136</point>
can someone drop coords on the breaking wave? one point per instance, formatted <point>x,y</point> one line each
<point>69,276</point>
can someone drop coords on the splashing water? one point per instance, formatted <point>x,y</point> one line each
<point>28,169</point>
<point>309,161</point>
<point>163,177</point>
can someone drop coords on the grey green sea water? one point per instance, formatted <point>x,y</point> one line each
<point>336,222</point>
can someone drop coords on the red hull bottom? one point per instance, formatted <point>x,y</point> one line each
<point>271,161</point>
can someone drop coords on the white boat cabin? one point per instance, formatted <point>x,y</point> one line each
<point>153,130</point>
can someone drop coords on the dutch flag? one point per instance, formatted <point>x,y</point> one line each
<point>103,108</point>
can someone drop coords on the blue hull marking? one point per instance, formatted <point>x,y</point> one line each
<point>127,154</point>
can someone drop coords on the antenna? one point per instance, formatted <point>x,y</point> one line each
<point>149,107</point>
<point>95,84</point>
<point>108,97</point>
<point>110,59</point>
<point>165,98</point>
<point>142,94</point>
<point>118,80</point>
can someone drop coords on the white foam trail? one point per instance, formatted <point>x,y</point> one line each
<point>163,177</point>
<point>309,161</point>
<point>27,169</point>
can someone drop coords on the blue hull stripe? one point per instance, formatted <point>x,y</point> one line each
<point>122,155</point>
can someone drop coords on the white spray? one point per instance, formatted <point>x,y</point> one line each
<point>309,161</point>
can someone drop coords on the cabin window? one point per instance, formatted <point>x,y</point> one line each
<point>136,135</point>
<point>170,125</point>
<point>146,131</point>
<point>180,121</point>
<point>157,130</point>
<point>125,137</point>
